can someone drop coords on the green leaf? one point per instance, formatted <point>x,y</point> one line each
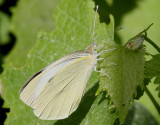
<point>152,67</point>
<point>157,81</point>
<point>29,17</point>
<point>138,115</point>
<point>152,70</point>
<point>100,113</point>
<point>126,72</point>
<point>4,28</point>
<point>74,21</point>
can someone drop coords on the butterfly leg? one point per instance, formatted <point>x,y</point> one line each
<point>95,69</point>
<point>106,61</point>
<point>105,51</point>
<point>100,59</point>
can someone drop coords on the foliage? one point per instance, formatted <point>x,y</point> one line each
<point>74,23</point>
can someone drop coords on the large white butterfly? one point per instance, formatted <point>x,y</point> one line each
<point>56,91</point>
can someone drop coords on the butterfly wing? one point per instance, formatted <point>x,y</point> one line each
<point>35,84</point>
<point>56,94</point>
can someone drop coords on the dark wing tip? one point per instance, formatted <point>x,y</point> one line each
<point>30,80</point>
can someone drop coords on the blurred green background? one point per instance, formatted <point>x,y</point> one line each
<point>21,20</point>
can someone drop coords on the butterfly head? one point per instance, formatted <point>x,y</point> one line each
<point>91,49</point>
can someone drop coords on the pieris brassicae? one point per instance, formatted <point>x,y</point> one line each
<point>56,91</point>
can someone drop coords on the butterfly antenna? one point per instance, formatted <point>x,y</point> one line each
<point>94,23</point>
<point>118,29</point>
<point>109,33</point>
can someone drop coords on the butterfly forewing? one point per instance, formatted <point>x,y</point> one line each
<point>35,85</point>
<point>56,92</point>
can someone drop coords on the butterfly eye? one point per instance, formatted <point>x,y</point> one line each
<point>94,46</point>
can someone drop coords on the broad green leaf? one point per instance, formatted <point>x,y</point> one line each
<point>74,21</point>
<point>4,28</point>
<point>152,70</point>
<point>125,67</point>
<point>100,112</point>
<point>29,17</point>
<point>139,115</point>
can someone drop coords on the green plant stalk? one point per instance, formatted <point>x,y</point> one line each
<point>152,43</point>
<point>152,99</point>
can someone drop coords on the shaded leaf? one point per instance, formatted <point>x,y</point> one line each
<point>139,115</point>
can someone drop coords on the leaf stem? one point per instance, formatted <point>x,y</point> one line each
<point>152,43</point>
<point>152,99</point>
